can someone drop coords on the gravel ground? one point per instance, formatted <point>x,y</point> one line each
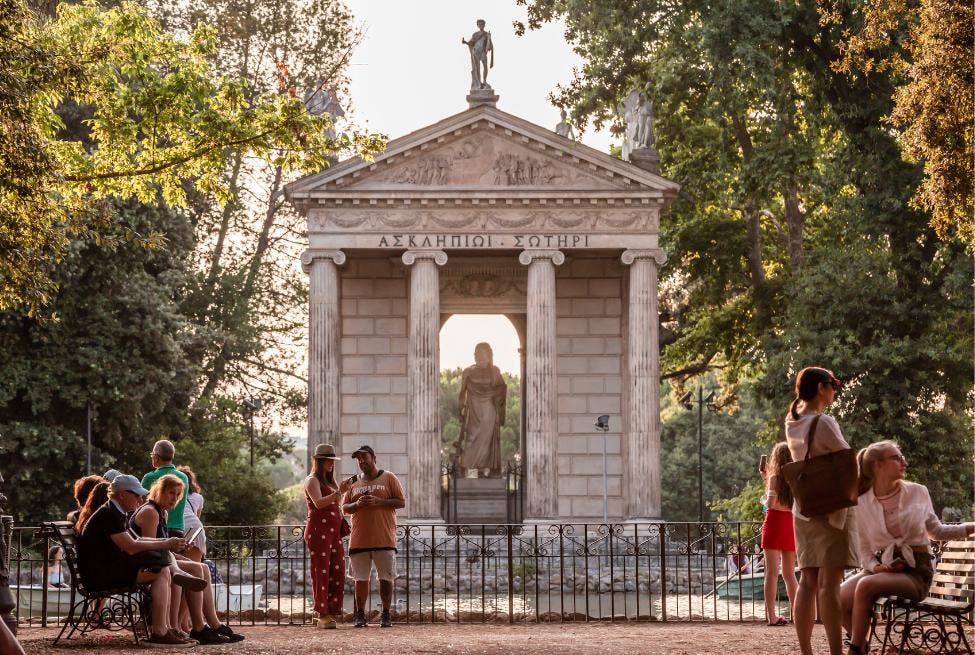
<point>644,638</point>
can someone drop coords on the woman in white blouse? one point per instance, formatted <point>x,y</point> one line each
<point>896,521</point>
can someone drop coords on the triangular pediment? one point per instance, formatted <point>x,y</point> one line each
<point>484,150</point>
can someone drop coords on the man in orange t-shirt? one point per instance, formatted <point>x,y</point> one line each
<point>372,502</point>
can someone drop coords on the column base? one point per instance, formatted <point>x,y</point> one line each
<point>421,521</point>
<point>647,519</point>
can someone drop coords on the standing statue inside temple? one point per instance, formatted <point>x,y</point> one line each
<point>483,394</point>
<point>479,45</point>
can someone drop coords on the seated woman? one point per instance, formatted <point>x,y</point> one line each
<point>82,489</point>
<point>150,520</point>
<point>896,522</point>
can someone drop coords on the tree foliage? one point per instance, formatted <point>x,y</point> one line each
<point>929,48</point>
<point>157,118</point>
<point>795,241</point>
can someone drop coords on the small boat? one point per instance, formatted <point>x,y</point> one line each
<point>751,586</point>
<point>30,600</point>
<point>242,597</point>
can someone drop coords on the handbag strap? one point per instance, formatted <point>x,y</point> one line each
<point>811,435</point>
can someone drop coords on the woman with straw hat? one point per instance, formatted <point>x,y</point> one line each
<point>323,535</point>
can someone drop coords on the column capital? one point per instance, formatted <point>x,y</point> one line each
<point>410,257</point>
<point>309,256</point>
<point>526,257</point>
<point>657,255</point>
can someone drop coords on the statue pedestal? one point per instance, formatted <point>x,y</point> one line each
<point>646,158</point>
<point>478,97</point>
<point>480,500</point>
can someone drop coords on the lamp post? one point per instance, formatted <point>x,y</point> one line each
<point>249,406</point>
<point>602,425</point>
<point>686,401</point>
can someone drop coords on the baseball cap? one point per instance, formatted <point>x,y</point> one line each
<point>111,474</point>
<point>128,483</point>
<point>364,449</point>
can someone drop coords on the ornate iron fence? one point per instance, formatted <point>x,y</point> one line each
<point>476,573</point>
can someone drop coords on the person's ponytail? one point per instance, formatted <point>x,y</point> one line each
<point>866,472</point>
<point>792,409</point>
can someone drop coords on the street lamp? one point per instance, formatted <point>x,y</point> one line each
<point>686,401</point>
<point>602,425</point>
<point>249,406</point>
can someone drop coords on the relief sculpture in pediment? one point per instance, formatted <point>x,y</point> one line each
<point>519,170</point>
<point>429,171</point>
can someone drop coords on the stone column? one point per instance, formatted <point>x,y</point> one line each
<point>423,441</point>
<point>641,441</point>
<point>324,357</point>
<point>541,394</point>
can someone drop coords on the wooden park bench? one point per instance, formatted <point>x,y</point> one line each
<point>112,609</point>
<point>938,623</point>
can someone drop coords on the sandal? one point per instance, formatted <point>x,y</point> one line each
<point>779,621</point>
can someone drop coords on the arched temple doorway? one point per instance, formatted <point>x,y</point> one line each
<point>482,417</point>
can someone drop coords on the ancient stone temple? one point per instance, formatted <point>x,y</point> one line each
<point>484,212</point>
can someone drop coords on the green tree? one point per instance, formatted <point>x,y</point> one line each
<point>158,119</point>
<point>796,242</point>
<point>929,48</point>
<point>118,343</point>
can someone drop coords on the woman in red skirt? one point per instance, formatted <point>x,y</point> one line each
<point>778,537</point>
<point>323,535</point>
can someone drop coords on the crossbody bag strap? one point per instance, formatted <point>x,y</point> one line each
<point>811,435</point>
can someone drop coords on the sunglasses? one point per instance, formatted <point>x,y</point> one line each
<point>897,457</point>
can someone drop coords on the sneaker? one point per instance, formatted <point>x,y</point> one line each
<point>386,621</point>
<point>168,640</point>
<point>225,631</point>
<point>360,619</point>
<point>326,622</point>
<point>189,582</point>
<point>209,637</point>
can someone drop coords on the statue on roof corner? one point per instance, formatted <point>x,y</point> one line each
<point>479,46</point>
<point>639,143</point>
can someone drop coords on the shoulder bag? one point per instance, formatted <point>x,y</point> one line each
<point>825,483</point>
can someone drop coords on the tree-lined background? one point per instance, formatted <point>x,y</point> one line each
<point>825,154</point>
<point>147,260</point>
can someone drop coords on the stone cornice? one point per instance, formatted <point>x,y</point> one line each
<point>573,218</point>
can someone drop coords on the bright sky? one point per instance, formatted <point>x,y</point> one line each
<point>462,332</point>
<point>411,70</point>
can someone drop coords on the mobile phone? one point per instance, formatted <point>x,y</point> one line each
<point>763,463</point>
<point>354,478</point>
<point>190,539</point>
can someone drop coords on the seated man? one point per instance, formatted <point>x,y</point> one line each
<point>109,557</point>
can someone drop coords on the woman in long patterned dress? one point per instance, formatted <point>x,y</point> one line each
<point>323,535</point>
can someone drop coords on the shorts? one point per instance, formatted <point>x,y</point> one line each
<point>362,563</point>
<point>820,545</point>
